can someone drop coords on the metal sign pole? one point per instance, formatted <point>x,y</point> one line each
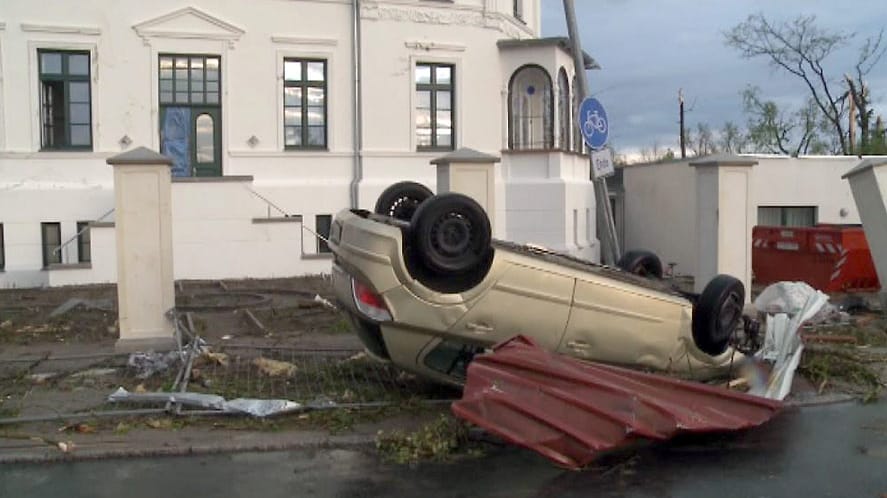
<point>610,244</point>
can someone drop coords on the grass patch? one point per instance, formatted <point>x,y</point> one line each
<point>823,367</point>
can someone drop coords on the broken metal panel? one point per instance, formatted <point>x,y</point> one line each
<point>569,411</point>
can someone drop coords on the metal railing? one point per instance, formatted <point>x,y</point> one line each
<point>76,236</point>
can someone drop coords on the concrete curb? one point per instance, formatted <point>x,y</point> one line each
<point>42,453</point>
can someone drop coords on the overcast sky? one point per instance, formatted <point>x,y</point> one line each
<point>649,49</point>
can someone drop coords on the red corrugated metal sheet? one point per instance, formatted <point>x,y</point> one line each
<point>569,411</point>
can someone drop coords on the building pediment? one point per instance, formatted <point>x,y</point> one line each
<point>188,22</point>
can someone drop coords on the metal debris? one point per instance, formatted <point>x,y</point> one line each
<point>147,364</point>
<point>254,407</point>
<point>92,304</point>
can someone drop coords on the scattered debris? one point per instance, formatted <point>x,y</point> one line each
<point>325,302</point>
<point>66,446</point>
<point>147,364</point>
<point>569,410</point>
<point>254,407</point>
<point>275,368</point>
<point>78,428</point>
<point>439,440</point>
<point>782,342</point>
<point>41,378</point>
<point>6,324</point>
<point>94,372</point>
<point>212,358</point>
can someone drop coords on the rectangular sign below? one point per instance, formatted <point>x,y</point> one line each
<point>602,164</point>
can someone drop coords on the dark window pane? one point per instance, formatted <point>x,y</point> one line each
<point>292,116</point>
<point>196,75</point>
<point>165,85</point>
<point>79,113</point>
<point>197,85</point>
<point>443,100</point>
<point>292,70</point>
<point>316,135</point>
<point>212,98</point>
<point>83,242</point>
<point>181,74</point>
<point>79,91</point>
<point>315,116</point>
<point>423,74</point>
<point>212,86</point>
<point>196,97</point>
<point>50,63</point>
<point>182,97</point>
<point>80,135</point>
<point>423,99</point>
<point>315,71</point>
<point>292,96</point>
<point>315,96</point>
<point>165,97</point>
<point>78,64</point>
<point>322,225</point>
<point>51,240</point>
<point>166,74</point>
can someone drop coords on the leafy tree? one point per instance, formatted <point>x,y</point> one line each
<point>732,139</point>
<point>801,48</point>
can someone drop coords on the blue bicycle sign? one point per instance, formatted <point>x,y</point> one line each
<point>593,123</point>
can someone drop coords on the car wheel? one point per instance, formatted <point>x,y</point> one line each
<point>401,200</point>
<point>451,233</point>
<point>717,313</point>
<point>643,263</point>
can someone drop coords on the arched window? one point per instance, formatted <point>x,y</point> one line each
<point>564,104</point>
<point>577,134</point>
<point>530,103</point>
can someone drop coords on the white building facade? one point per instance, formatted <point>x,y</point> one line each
<point>277,114</point>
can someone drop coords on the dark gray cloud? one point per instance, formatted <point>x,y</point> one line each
<point>650,49</point>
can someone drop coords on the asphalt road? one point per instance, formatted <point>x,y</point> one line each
<point>838,451</point>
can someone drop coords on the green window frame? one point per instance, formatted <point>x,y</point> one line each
<point>518,9</point>
<point>322,224</point>
<point>2,249</point>
<point>304,103</point>
<point>190,80</point>
<point>65,99</point>
<point>51,240</point>
<point>435,106</point>
<point>84,248</point>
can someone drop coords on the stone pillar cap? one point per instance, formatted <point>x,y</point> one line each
<point>865,165</point>
<point>466,155</point>
<point>139,156</point>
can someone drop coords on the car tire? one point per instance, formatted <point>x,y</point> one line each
<point>400,200</point>
<point>717,313</point>
<point>642,263</point>
<point>451,234</point>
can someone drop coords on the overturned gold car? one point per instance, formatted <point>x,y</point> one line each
<point>427,288</point>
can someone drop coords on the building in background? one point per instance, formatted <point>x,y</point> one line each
<point>276,114</point>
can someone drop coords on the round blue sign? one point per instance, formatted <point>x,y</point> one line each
<point>593,123</point>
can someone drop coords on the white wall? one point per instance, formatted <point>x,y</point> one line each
<point>660,200</point>
<point>252,38</point>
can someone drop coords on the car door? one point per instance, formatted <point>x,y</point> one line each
<point>617,322</point>
<point>526,300</point>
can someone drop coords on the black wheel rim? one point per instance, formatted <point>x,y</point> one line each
<point>451,235</point>
<point>403,208</point>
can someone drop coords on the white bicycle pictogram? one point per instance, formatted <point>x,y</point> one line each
<point>594,123</point>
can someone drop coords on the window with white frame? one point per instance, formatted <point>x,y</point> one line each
<point>65,110</point>
<point>304,103</point>
<point>435,126</point>
<point>530,103</point>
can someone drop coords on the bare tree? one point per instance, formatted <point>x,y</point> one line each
<point>800,47</point>
<point>732,139</point>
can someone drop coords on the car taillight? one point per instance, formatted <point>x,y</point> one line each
<point>369,302</point>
